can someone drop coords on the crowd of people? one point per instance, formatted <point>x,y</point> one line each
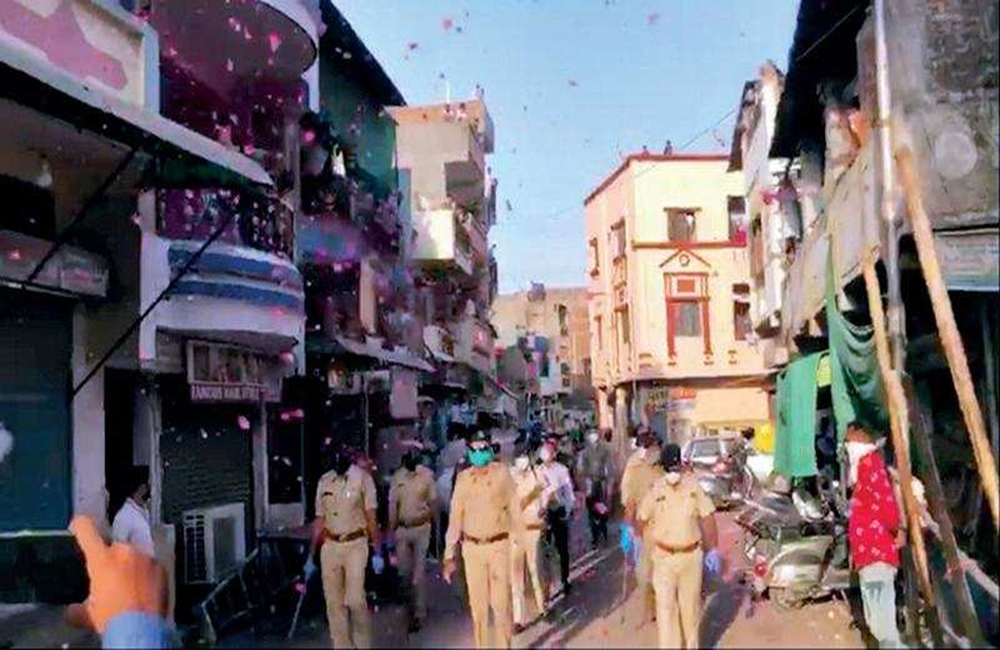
<point>498,510</point>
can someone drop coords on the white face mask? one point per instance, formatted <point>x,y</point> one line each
<point>855,452</point>
<point>592,438</point>
<point>633,443</point>
<point>521,463</point>
<point>673,478</point>
<point>545,454</point>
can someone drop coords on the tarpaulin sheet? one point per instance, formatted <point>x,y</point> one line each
<point>856,386</point>
<point>795,440</point>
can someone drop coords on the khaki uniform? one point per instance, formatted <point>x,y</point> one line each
<point>528,525</point>
<point>412,496</point>
<point>342,502</point>
<point>672,516</point>
<point>641,472</point>
<point>480,519</point>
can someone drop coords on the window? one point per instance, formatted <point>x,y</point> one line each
<point>563,320</point>
<point>688,319</point>
<point>594,252</point>
<point>626,326</point>
<point>741,320</point>
<point>680,225</point>
<point>618,239</point>
<point>737,220</point>
<point>600,334</point>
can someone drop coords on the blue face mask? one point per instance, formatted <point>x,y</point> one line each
<point>480,457</point>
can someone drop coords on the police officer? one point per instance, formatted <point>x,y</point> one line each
<point>679,523</point>
<point>412,506</point>
<point>345,525</point>
<point>641,472</point>
<point>529,524</point>
<point>481,508</point>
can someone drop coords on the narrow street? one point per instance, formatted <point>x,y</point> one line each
<point>594,615</point>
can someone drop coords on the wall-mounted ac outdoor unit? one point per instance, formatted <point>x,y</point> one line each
<point>214,542</point>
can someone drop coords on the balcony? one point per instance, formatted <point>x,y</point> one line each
<point>442,242</point>
<point>473,343</point>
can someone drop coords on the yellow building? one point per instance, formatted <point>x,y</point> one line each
<point>672,340</point>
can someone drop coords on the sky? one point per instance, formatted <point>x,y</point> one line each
<point>573,86</point>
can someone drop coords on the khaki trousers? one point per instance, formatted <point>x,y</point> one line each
<point>677,582</point>
<point>411,558</point>
<point>344,588</point>
<point>487,577</point>
<point>524,551</point>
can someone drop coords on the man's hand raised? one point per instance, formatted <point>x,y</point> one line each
<point>122,579</point>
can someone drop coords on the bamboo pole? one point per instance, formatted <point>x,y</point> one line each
<point>938,507</point>
<point>948,333</point>
<point>898,423</point>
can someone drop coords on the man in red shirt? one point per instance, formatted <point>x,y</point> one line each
<point>874,534</point>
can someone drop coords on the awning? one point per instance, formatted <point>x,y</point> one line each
<point>183,156</point>
<point>344,345</point>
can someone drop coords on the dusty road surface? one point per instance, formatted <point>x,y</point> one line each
<point>595,616</point>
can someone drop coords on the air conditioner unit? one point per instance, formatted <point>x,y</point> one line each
<point>214,542</point>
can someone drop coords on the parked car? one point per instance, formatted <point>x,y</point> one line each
<point>720,465</point>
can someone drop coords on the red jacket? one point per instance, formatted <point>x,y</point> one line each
<point>874,516</point>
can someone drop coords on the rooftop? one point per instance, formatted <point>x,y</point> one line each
<point>646,156</point>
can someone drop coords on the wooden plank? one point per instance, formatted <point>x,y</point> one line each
<point>921,435</point>
<point>954,350</point>
<point>898,425</point>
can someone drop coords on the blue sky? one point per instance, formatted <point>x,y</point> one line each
<point>572,85</point>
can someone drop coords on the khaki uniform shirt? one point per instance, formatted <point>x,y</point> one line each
<point>481,505</point>
<point>343,500</point>
<point>411,497</point>
<point>528,487</point>
<point>672,514</point>
<point>639,475</point>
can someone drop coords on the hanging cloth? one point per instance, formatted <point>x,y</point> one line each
<point>795,439</point>
<point>855,382</point>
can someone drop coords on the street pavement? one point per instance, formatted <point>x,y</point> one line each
<point>594,614</point>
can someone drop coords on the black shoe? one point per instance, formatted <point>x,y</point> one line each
<point>518,628</point>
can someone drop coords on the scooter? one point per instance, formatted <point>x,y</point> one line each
<point>796,552</point>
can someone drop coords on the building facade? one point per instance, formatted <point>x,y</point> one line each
<point>441,152</point>
<point>562,369</point>
<point>121,190</point>
<point>672,340</point>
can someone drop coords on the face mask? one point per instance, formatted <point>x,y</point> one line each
<point>633,443</point>
<point>480,457</point>
<point>545,454</point>
<point>521,463</point>
<point>673,478</point>
<point>855,452</point>
<point>410,464</point>
<point>592,438</point>
<point>341,463</point>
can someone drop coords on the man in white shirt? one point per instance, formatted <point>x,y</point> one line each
<point>131,524</point>
<point>560,498</point>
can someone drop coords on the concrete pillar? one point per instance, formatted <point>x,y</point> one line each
<point>90,496</point>
<point>259,450</point>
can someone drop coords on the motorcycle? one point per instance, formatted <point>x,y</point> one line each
<point>796,547</point>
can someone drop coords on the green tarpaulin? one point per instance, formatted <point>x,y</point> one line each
<point>795,441</point>
<point>855,383</point>
<point>855,390</point>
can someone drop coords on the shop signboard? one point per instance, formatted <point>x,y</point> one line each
<point>227,373</point>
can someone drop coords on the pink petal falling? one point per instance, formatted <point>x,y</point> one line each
<point>273,41</point>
